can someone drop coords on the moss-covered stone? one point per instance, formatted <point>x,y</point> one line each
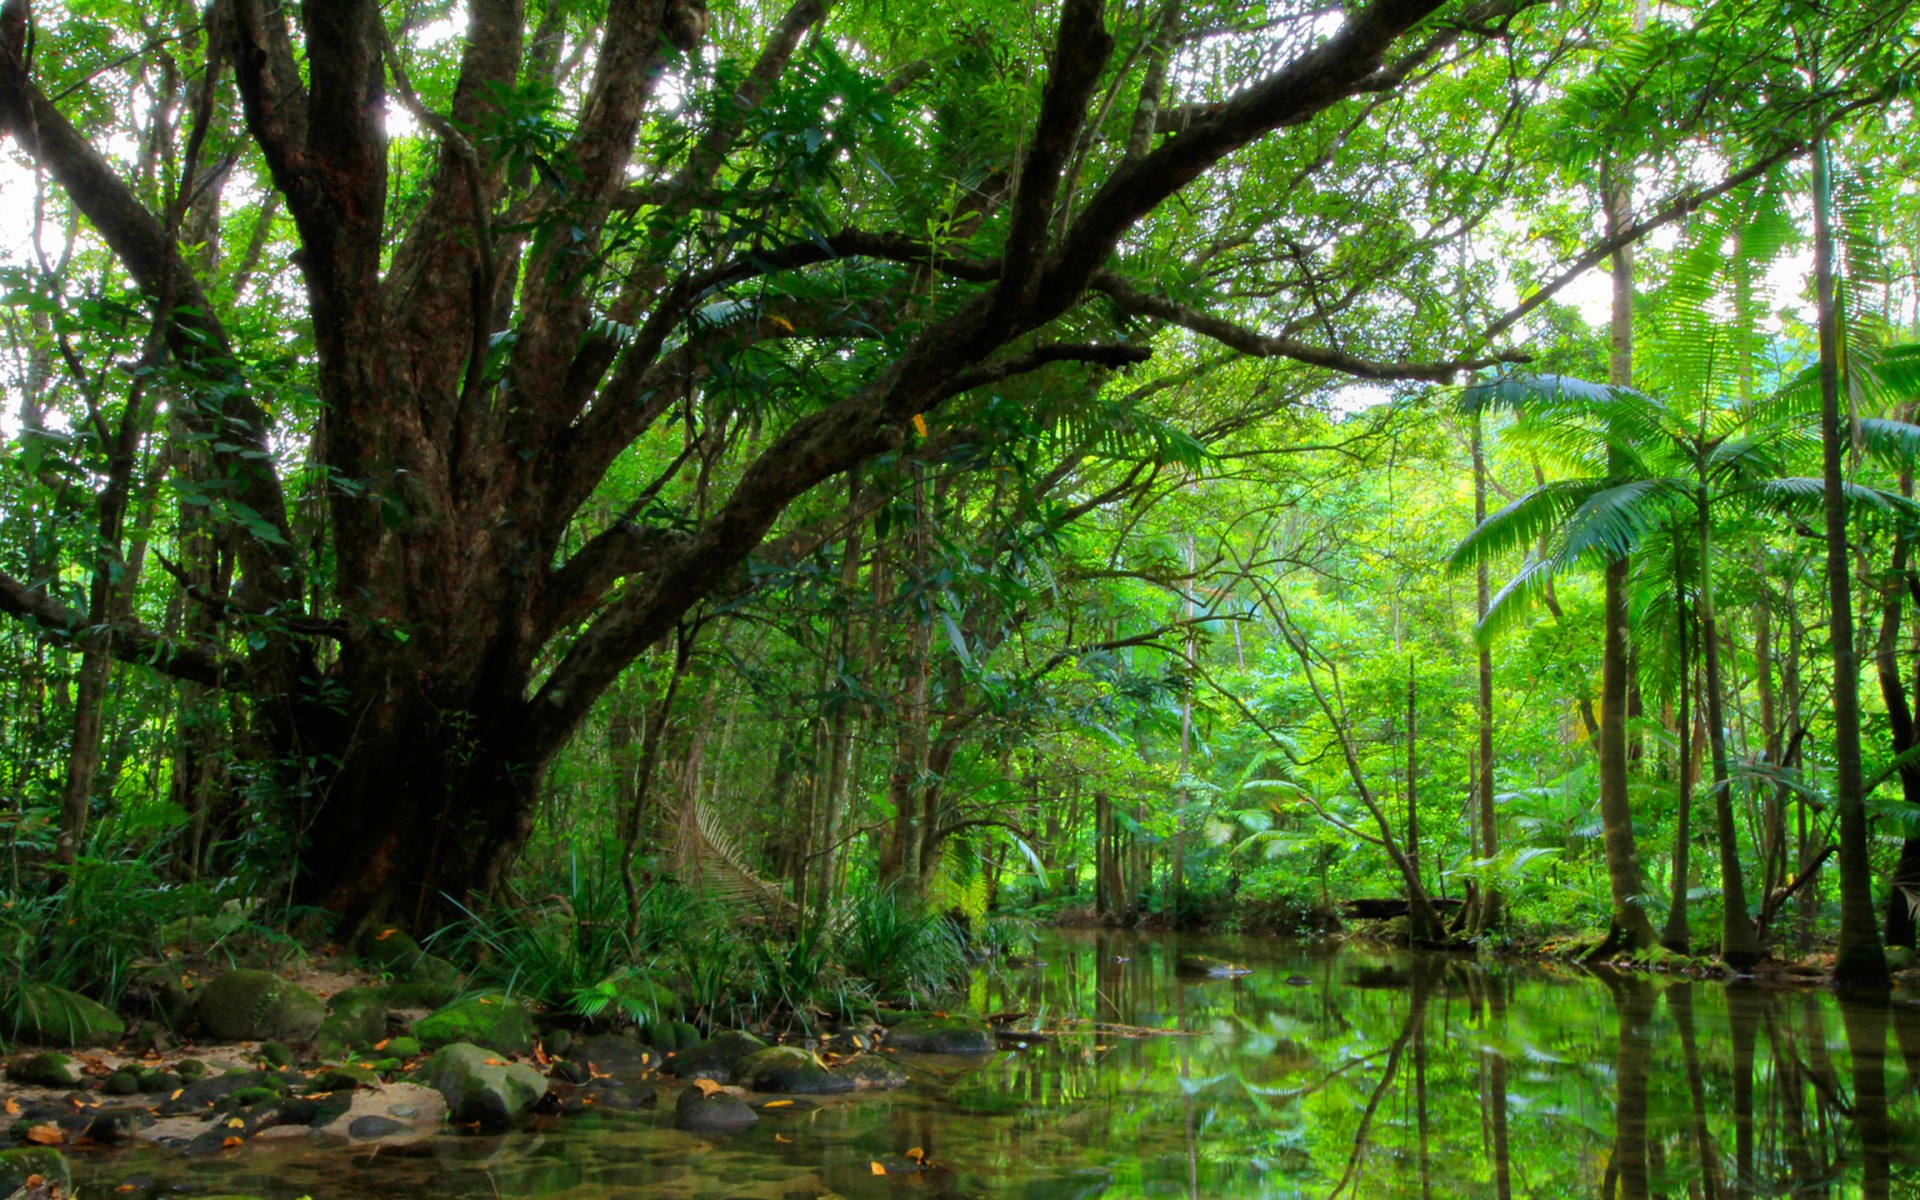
<point>357,1020</point>
<point>247,1097</point>
<point>44,1070</point>
<point>247,1005</point>
<point>479,1087</point>
<point>942,1035</point>
<point>716,1113</point>
<point>715,1058</point>
<point>672,1037</point>
<point>492,1021</point>
<point>788,1069</point>
<point>344,1079</point>
<point>18,1166</point>
<point>124,1082</point>
<point>190,1068</point>
<point>405,1047</point>
<point>418,994</point>
<point>389,950</point>
<point>870,1072</point>
<point>159,1081</point>
<point>276,1054</point>
<point>45,1015</point>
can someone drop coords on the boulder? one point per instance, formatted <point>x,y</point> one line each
<point>479,1086</point>
<point>343,1079</point>
<point>610,1054</point>
<point>391,951</point>
<point>357,1019</point>
<point>869,1072</point>
<point>788,1069</point>
<point>715,1058</point>
<point>18,1166</point>
<point>480,1020</point>
<point>400,1112</point>
<point>248,1005</point>
<point>44,1070</point>
<point>45,1015</point>
<point>672,1037</point>
<point>699,1112</point>
<point>942,1035</point>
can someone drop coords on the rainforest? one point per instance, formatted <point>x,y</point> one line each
<point>1086,597</point>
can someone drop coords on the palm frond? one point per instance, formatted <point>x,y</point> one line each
<point>1522,523</point>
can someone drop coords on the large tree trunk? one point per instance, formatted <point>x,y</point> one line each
<point>1678,935</point>
<point>1861,964</point>
<point>1903,890</point>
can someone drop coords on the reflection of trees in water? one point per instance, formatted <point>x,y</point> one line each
<point>1391,1075</point>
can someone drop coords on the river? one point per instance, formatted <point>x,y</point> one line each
<point>1327,1072</point>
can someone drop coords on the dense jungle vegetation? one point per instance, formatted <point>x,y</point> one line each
<point>631,467</point>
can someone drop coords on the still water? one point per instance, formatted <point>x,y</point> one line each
<point>1325,1073</point>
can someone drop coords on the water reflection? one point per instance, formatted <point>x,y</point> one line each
<point>1326,1073</point>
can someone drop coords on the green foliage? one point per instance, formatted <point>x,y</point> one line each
<point>904,950</point>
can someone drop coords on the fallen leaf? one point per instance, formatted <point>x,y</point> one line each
<point>236,1123</point>
<point>493,1062</point>
<point>919,424</point>
<point>917,1154</point>
<point>231,1143</point>
<point>876,1168</point>
<point>13,1107</point>
<point>384,934</point>
<point>382,1043</point>
<point>46,1135</point>
<point>777,1104</point>
<point>126,1187</point>
<point>708,1087</point>
<point>176,1093</point>
<point>487,1000</point>
<point>781,1137</point>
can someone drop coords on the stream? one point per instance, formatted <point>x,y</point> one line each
<point>1326,1072</point>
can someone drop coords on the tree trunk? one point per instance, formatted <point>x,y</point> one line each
<point>1903,890</point>
<point>1631,927</point>
<point>1678,936</point>
<point>1487,913</point>
<point>1739,946</point>
<point>1861,964</point>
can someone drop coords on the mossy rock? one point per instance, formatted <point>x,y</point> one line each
<point>45,1015</point>
<point>191,1068</point>
<point>247,1097</point>
<point>942,1035</point>
<point>493,1021</point>
<point>390,950</point>
<point>405,1047</point>
<point>124,1082</point>
<point>250,1005</point>
<point>672,1037</point>
<point>1900,958</point>
<point>479,1087</point>
<point>344,1079</point>
<point>788,1069</point>
<point>870,1073</point>
<point>611,1054</point>
<point>418,994</point>
<point>717,1113</point>
<point>18,1166</point>
<point>276,1054</point>
<point>159,1081</point>
<point>44,1070</point>
<point>357,1020</point>
<point>716,1057</point>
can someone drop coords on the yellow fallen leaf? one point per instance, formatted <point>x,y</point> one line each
<point>231,1143</point>
<point>13,1107</point>
<point>917,1154</point>
<point>382,1043</point>
<point>782,322</point>
<point>707,1087</point>
<point>777,1104</point>
<point>919,424</point>
<point>781,1137</point>
<point>384,934</point>
<point>876,1168</point>
<point>176,1093</point>
<point>46,1135</point>
<point>493,1062</point>
<point>236,1123</point>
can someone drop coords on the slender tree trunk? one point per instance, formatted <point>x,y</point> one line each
<point>1861,964</point>
<point>1487,916</point>
<point>1413,770</point>
<point>1678,936</point>
<point>1631,928</point>
<point>1903,890</point>
<point>1739,946</point>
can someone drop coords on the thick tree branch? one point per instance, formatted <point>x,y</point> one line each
<point>131,643</point>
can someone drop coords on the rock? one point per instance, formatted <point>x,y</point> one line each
<point>390,951</point>
<point>942,1035</point>
<point>697,1112</point>
<point>417,1109</point>
<point>715,1058</point>
<point>622,1097</point>
<point>343,1079</point>
<point>1213,968</point>
<point>405,1047</point>
<point>45,1015</point>
<point>868,1073</point>
<point>124,1082</point>
<point>225,1091</point>
<point>570,1072</point>
<point>373,1126</point>
<point>17,1166</point>
<point>44,1070</point>
<point>612,1055</point>
<point>276,1054</point>
<point>673,1037</point>
<point>418,994</point>
<point>1900,958</point>
<point>480,1020</point>
<point>192,1068</point>
<point>356,1020</point>
<point>248,1005</point>
<point>159,1081</point>
<point>788,1069</point>
<point>558,1041</point>
<point>479,1087</point>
